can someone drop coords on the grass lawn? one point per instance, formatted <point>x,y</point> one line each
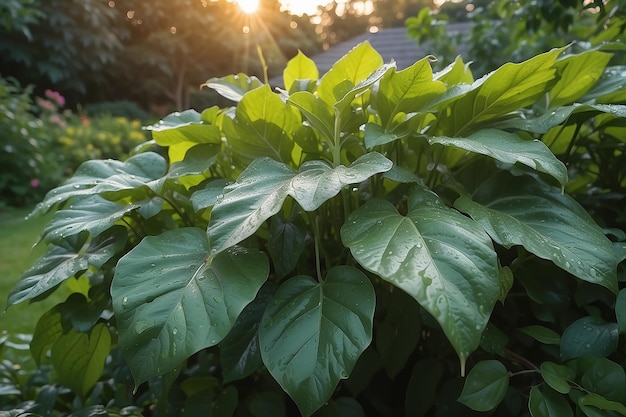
<point>16,255</point>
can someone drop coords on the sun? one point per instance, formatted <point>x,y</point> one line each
<point>248,6</point>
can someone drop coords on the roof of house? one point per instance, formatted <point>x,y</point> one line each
<point>392,44</point>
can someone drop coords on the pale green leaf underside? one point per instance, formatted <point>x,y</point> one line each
<point>233,87</point>
<point>262,188</point>
<point>439,257</point>
<point>171,300</point>
<point>522,211</point>
<point>64,260</point>
<point>509,148</point>
<point>313,333</point>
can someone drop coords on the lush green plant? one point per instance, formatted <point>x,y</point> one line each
<point>356,241</point>
<point>504,31</point>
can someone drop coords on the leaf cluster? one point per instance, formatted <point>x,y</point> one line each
<point>340,238</point>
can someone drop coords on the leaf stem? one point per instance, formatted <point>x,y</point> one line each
<point>316,238</point>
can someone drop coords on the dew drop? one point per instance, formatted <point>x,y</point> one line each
<point>124,301</point>
<point>153,265</point>
<point>174,330</point>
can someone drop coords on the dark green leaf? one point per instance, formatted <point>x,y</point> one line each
<point>439,257</point>
<point>523,211</point>
<point>171,299</point>
<point>313,333</point>
<point>506,282</point>
<point>620,311</point>
<point>602,403</point>
<point>558,377</point>
<point>542,334</point>
<point>341,407</point>
<point>240,353</point>
<point>64,260</point>
<point>47,332</point>
<point>262,188</point>
<point>509,148</point>
<point>268,404</point>
<point>207,196</point>
<point>589,336</point>
<point>78,358</point>
<point>494,340</point>
<point>601,376</point>
<point>485,386</point>
<point>285,244</point>
<point>548,403</point>
<point>422,388</point>
<point>398,333</point>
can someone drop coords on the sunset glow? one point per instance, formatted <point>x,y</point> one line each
<point>301,7</point>
<point>248,6</point>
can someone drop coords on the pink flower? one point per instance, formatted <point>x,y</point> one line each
<point>45,104</point>
<point>57,120</point>
<point>34,183</point>
<point>55,96</point>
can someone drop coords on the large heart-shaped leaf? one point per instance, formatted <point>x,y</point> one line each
<point>406,91</point>
<point>346,73</point>
<point>299,68</point>
<point>108,176</point>
<point>262,188</point>
<point>312,333</point>
<point>521,210</point>
<point>589,336</point>
<point>485,386</point>
<point>78,358</point>
<point>438,256</point>
<point>171,299</point>
<point>93,214</point>
<point>264,126</point>
<point>509,148</point>
<point>63,260</point>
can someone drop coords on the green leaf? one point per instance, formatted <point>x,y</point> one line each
<point>317,112</point>
<point>406,91</point>
<point>506,282</point>
<point>421,392</point>
<point>589,336</point>
<point>78,358</point>
<point>438,256</point>
<point>398,333</point>
<point>548,403</point>
<point>187,126</point>
<point>456,73</point>
<point>602,403</point>
<point>558,377</point>
<point>286,243</point>
<point>341,407</point>
<point>601,376</point>
<point>509,148</point>
<point>264,126</point>
<point>542,334</point>
<point>207,197</point>
<point>92,214</point>
<point>485,386</point>
<point>64,260</point>
<point>108,176</point>
<point>510,87</point>
<point>299,67</point>
<point>197,161</point>
<point>347,72</point>
<point>171,299</point>
<point>577,74</point>
<point>262,188</point>
<point>313,333</point>
<point>620,311</point>
<point>521,210</point>
<point>233,87</point>
<point>47,332</point>
<point>240,354</point>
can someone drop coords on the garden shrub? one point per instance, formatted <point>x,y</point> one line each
<point>371,242</point>
<point>43,143</point>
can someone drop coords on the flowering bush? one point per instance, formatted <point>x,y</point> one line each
<point>43,143</point>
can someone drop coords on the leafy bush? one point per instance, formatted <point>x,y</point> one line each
<point>504,31</point>
<point>43,143</point>
<point>348,246</point>
<point>122,108</point>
